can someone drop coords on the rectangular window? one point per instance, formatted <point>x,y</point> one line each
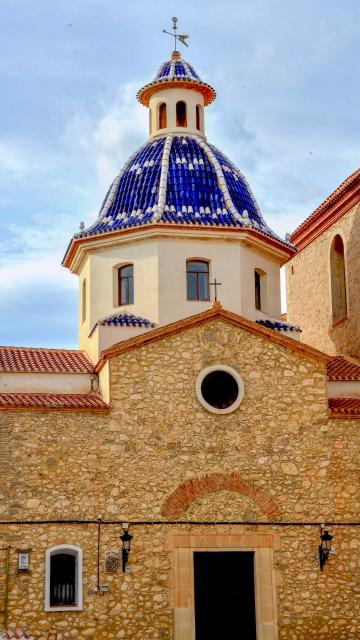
<point>197,280</point>
<point>126,284</point>
<point>62,580</point>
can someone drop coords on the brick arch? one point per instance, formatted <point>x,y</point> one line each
<point>191,490</point>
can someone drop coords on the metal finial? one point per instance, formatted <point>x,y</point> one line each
<point>182,38</point>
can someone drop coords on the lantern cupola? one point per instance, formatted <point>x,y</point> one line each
<point>176,98</point>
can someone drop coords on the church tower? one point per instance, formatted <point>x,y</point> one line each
<point>178,217</point>
<point>323,278</point>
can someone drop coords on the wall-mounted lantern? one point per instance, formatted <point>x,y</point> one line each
<point>324,546</point>
<point>126,543</point>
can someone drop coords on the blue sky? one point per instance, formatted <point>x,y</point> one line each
<point>287,113</point>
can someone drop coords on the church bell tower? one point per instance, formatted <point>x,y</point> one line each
<point>178,216</point>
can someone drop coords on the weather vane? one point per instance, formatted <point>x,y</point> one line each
<point>181,38</point>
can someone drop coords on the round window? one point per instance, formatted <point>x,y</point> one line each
<point>219,389</point>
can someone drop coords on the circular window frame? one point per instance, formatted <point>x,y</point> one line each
<point>219,367</point>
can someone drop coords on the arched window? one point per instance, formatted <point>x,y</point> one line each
<point>181,120</point>
<point>63,578</point>
<point>126,284</point>
<point>162,116</point>
<point>197,280</point>
<point>198,117</point>
<point>338,281</point>
<point>260,278</point>
<point>83,301</point>
<point>150,121</point>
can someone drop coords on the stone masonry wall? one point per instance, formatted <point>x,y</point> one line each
<point>277,455</point>
<point>308,291</point>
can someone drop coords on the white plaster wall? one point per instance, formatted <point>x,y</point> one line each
<point>110,335</point>
<point>160,283</point>
<point>45,382</point>
<point>171,97</point>
<point>251,259</point>
<point>104,382</point>
<point>344,388</point>
<point>224,266</point>
<point>144,256</point>
<point>231,263</point>
<point>84,327</point>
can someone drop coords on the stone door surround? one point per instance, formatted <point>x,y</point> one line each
<point>181,584</point>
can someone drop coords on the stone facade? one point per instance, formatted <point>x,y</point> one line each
<point>160,461</point>
<point>308,289</point>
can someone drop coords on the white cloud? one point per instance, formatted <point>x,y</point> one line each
<point>32,251</point>
<point>37,271</point>
<point>109,139</point>
<point>14,157</point>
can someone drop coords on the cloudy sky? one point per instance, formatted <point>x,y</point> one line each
<point>287,113</point>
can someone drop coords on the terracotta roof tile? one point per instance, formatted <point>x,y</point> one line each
<point>339,368</point>
<point>27,359</point>
<point>345,407</point>
<point>51,401</point>
<point>300,237</point>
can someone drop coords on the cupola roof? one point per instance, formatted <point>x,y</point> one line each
<point>176,73</point>
<point>179,180</point>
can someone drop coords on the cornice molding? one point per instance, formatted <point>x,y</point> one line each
<point>79,246</point>
<point>342,200</point>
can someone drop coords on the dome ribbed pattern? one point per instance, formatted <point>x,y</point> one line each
<point>176,69</point>
<point>177,72</point>
<point>179,180</point>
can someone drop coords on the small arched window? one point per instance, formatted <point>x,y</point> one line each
<point>162,116</point>
<point>338,279</point>
<point>197,280</point>
<point>181,119</point>
<point>63,578</point>
<point>83,301</point>
<point>260,277</point>
<point>126,284</point>
<point>198,117</point>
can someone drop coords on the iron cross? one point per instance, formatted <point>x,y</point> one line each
<point>181,38</point>
<point>215,284</point>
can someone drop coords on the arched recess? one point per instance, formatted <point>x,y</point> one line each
<point>63,578</point>
<point>181,116</point>
<point>198,117</point>
<point>260,289</point>
<point>162,116</point>
<point>191,490</point>
<point>338,279</point>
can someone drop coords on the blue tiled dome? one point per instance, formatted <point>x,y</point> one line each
<point>176,69</point>
<point>180,180</point>
<point>177,73</point>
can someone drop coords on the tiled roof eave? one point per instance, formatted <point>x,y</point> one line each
<point>288,250</point>
<point>124,320</point>
<point>341,369</point>
<point>43,360</point>
<point>145,93</point>
<point>200,318</point>
<point>334,207</point>
<point>344,408</point>
<point>51,402</point>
